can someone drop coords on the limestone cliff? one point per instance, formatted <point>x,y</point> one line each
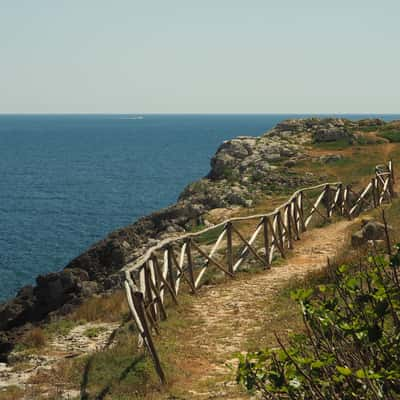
<point>242,170</point>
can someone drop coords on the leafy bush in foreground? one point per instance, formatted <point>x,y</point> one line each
<point>351,345</point>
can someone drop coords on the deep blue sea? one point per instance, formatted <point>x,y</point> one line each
<point>68,180</point>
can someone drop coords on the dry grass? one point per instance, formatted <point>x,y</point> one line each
<point>11,393</point>
<point>111,308</point>
<point>49,383</point>
<point>35,338</point>
<point>357,165</point>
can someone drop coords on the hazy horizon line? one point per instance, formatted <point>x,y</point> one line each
<point>202,113</point>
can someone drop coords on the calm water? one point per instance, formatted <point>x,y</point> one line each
<point>66,181</point>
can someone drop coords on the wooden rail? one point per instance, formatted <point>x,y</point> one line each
<point>183,261</point>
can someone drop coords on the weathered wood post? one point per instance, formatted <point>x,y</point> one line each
<point>190,264</point>
<point>301,211</point>
<point>137,298</point>
<point>171,278</point>
<point>347,202</point>
<point>279,230</point>
<point>328,200</point>
<point>274,229</point>
<point>155,287</point>
<point>340,199</point>
<point>149,294</point>
<point>266,240</point>
<point>374,195</point>
<point>229,249</point>
<point>295,218</point>
<point>288,226</point>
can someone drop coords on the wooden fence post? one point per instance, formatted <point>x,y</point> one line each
<point>288,226</point>
<point>170,269</point>
<point>339,200</point>
<point>347,202</point>
<point>328,200</point>
<point>374,199</point>
<point>229,249</point>
<point>277,234</point>
<point>137,298</point>
<point>153,283</point>
<point>190,264</point>
<point>279,229</point>
<point>295,218</point>
<point>266,240</point>
<point>301,211</point>
<point>149,295</point>
<point>163,282</point>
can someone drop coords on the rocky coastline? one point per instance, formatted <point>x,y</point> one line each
<point>242,170</point>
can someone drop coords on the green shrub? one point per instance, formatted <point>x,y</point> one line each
<point>350,348</point>
<point>340,144</point>
<point>393,135</point>
<point>93,331</point>
<point>61,327</point>
<point>230,174</point>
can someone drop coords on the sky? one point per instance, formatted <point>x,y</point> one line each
<point>208,56</point>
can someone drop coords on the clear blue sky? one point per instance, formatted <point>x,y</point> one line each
<point>263,56</point>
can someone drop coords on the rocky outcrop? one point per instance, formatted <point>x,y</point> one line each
<point>370,230</point>
<point>330,158</point>
<point>242,170</point>
<point>370,122</point>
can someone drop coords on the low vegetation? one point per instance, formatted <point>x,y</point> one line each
<point>389,131</point>
<point>109,308</point>
<point>61,327</point>
<point>93,331</point>
<point>35,338</point>
<point>391,134</point>
<point>349,345</point>
<point>11,393</point>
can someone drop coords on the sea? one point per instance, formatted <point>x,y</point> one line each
<point>68,180</point>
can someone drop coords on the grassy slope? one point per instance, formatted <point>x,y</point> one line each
<point>124,373</point>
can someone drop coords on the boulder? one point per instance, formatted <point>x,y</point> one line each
<point>370,122</point>
<point>89,288</point>
<point>331,134</point>
<point>291,125</point>
<point>357,239</point>
<point>330,158</point>
<point>371,230</point>
<point>236,148</point>
<point>237,199</point>
<point>289,163</point>
<point>221,163</point>
<point>374,230</point>
<point>114,281</point>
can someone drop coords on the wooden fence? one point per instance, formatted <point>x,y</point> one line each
<point>181,261</point>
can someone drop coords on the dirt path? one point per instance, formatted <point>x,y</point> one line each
<point>229,314</point>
